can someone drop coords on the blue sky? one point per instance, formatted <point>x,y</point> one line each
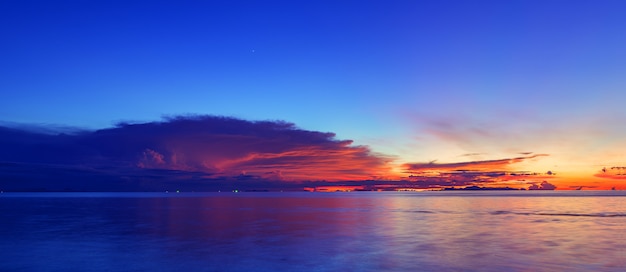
<point>420,80</point>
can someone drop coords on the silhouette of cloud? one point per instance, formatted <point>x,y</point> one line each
<point>494,172</point>
<point>544,185</point>
<point>213,153</point>
<point>614,172</point>
<point>583,187</point>
<point>218,147</point>
<point>486,165</point>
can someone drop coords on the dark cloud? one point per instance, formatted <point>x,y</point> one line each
<point>544,185</point>
<point>614,172</point>
<point>217,147</point>
<point>492,172</point>
<point>582,187</point>
<point>50,129</point>
<point>486,165</point>
<point>220,153</point>
<point>44,177</point>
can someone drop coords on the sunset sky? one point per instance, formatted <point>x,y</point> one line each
<point>487,93</point>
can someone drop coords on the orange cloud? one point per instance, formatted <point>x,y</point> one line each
<point>487,165</point>
<point>615,172</point>
<point>487,172</point>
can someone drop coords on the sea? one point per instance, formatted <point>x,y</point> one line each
<point>301,231</point>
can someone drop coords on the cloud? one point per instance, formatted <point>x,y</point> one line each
<point>470,132</point>
<point>614,172</point>
<point>486,165</point>
<point>216,146</point>
<point>544,185</point>
<point>151,159</point>
<point>212,153</point>
<point>472,154</point>
<point>494,172</point>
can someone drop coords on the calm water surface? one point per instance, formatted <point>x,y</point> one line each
<point>428,231</point>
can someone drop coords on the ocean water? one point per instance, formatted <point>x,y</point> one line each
<point>360,231</point>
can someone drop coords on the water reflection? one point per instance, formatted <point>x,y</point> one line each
<point>323,232</point>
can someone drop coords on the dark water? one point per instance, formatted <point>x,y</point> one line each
<point>429,231</point>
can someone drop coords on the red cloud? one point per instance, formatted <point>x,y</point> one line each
<point>230,146</point>
<point>495,172</point>
<point>615,172</point>
<point>488,165</point>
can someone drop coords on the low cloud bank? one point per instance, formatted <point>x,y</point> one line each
<point>474,173</point>
<point>210,153</point>
<point>544,185</point>
<point>211,147</point>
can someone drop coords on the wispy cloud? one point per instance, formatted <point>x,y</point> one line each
<point>472,154</point>
<point>614,172</point>
<point>486,165</point>
<point>496,172</point>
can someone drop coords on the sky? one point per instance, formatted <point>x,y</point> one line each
<point>425,93</point>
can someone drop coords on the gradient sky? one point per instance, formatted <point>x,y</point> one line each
<point>433,86</point>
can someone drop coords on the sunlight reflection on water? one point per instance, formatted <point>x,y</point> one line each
<point>429,231</point>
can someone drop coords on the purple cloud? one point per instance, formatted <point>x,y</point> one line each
<point>486,165</point>
<point>218,147</point>
<point>473,173</point>
<point>544,185</point>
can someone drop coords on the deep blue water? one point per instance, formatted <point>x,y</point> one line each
<point>364,231</point>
